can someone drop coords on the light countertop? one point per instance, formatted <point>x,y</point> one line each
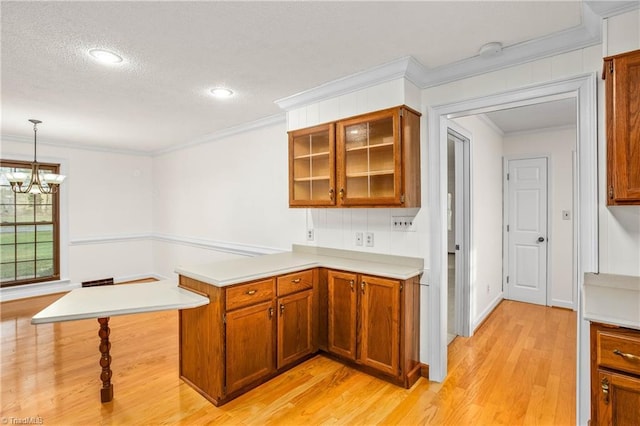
<point>120,299</point>
<point>228,272</point>
<point>612,299</point>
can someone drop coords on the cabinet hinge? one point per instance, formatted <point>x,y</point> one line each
<point>610,67</point>
<point>224,318</point>
<point>401,286</point>
<point>401,112</point>
<point>507,228</point>
<point>402,198</point>
<point>507,279</point>
<point>507,176</point>
<point>611,191</point>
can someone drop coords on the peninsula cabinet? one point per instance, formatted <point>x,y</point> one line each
<point>615,375</point>
<point>622,114</point>
<point>371,160</point>
<point>373,323</point>
<point>238,340</point>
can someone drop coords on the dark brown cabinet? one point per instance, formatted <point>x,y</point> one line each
<point>249,345</point>
<point>251,332</point>
<point>296,315</point>
<point>371,160</point>
<point>622,114</point>
<point>372,321</point>
<point>615,375</point>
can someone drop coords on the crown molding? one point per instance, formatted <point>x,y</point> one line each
<point>588,33</point>
<point>60,144</point>
<point>406,67</point>
<point>606,9</point>
<point>225,133</point>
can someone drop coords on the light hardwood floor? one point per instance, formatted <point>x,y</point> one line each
<point>519,368</point>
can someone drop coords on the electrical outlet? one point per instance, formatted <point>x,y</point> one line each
<point>310,235</point>
<point>369,239</point>
<point>402,224</point>
<point>358,238</point>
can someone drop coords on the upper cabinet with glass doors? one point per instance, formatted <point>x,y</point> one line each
<point>377,163</point>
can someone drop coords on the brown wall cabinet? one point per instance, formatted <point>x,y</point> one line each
<point>372,160</point>
<point>372,321</point>
<point>622,114</point>
<point>615,375</point>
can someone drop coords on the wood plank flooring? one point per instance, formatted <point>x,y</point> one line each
<point>519,368</point>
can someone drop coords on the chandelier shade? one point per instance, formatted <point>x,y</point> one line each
<point>38,181</point>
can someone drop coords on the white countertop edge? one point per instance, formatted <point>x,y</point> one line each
<point>297,268</point>
<point>119,312</point>
<point>609,320</point>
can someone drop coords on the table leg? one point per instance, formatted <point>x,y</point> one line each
<point>106,393</point>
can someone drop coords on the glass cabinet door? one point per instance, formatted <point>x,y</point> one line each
<point>311,166</point>
<point>369,159</point>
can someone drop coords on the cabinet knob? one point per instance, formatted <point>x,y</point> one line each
<point>362,286</point>
<point>351,284</point>
<point>341,193</point>
<point>281,309</point>
<point>251,292</point>
<point>296,281</point>
<point>331,194</point>
<point>270,313</point>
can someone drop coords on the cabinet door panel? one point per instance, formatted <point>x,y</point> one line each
<point>249,345</point>
<point>619,399</point>
<point>622,75</point>
<point>312,166</point>
<point>380,304</point>
<point>369,159</point>
<point>342,314</point>
<point>294,327</point>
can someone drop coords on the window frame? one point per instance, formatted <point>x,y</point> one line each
<point>55,203</point>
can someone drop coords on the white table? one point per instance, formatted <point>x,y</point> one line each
<point>106,301</point>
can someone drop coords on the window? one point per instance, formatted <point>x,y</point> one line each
<point>29,231</point>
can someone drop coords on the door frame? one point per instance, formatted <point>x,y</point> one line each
<point>505,219</point>
<point>584,89</point>
<point>463,233</point>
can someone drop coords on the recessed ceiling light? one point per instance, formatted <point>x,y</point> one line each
<point>221,92</point>
<point>105,56</point>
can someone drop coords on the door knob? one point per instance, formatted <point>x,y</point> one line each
<point>541,239</point>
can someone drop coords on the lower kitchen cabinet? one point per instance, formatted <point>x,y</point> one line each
<point>295,321</point>
<point>615,375</point>
<point>249,345</point>
<point>342,311</point>
<point>251,332</point>
<point>373,322</point>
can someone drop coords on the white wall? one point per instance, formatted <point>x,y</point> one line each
<point>106,206</point>
<point>486,213</point>
<point>559,145</point>
<point>232,192</point>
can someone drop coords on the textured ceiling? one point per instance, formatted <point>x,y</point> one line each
<point>175,51</point>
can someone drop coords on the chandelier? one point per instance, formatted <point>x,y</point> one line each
<point>36,182</point>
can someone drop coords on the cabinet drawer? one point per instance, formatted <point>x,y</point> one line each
<point>619,349</point>
<point>297,281</point>
<point>248,294</point>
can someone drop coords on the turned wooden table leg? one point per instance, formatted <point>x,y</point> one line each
<point>106,393</point>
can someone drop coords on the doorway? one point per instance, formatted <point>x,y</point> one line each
<point>582,89</point>
<point>458,230</point>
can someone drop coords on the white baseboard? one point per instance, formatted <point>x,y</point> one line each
<point>487,311</point>
<point>567,304</point>
<point>38,289</point>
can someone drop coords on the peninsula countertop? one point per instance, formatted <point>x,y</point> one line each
<point>228,272</point>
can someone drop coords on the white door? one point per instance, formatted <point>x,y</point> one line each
<point>527,230</point>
